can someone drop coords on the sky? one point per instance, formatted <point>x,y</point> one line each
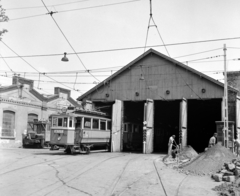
<point>109,34</point>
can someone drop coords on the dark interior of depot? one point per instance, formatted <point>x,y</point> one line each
<point>201,117</point>
<point>166,123</point>
<point>133,126</point>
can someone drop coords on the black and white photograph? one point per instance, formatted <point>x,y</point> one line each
<point>119,98</point>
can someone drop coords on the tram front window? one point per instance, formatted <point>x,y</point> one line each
<point>60,122</point>
<point>70,122</point>
<point>65,122</point>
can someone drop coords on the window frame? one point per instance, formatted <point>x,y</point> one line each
<point>84,122</point>
<point>102,120</point>
<point>13,132</point>
<point>98,128</point>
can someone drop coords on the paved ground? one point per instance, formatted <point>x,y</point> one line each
<point>40,172</point>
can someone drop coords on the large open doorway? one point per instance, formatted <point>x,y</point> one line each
<point>133,113</point>
<point>202,115</point>
<point>166,123</point>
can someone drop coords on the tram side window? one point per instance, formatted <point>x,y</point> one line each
<point>87,123</point>
<point>70,122</point>
<point>54,121</point>
<point>60,122</point>
<point>65,122</point>
<point>103,125</point>
<point>95,123</point>
<point>109,125</point>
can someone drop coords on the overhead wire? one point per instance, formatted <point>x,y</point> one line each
<point>132,48</point>
<point>7,64</point>
<point>68,41</point>
<point>26,17</point>
<point>77,9</point>
<point>105,5</point>
<point>99,70</point>
<point>55,5</point>
<point>151,17</point>
<point>34,67</point>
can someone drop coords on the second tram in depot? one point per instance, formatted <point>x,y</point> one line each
<point>80,130</point>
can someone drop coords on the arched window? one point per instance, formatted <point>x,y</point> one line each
<point>8,124</point>
<point>31,118</point>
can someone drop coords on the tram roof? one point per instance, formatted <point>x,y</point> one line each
<point>76,113</point>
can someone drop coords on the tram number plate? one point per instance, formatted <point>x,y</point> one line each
<point>58,131</point>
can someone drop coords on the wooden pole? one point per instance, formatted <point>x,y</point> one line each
<point>225,100</point>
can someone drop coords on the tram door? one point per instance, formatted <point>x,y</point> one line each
<point>116,126</point>
<point>183,123</point>
<point>148,127</point>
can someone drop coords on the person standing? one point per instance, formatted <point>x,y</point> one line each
<point>170,145</point>
<point>236,147</point>
<point>213,140</point>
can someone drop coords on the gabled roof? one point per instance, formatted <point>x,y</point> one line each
<point>18,82</point>
<point>162,56</point>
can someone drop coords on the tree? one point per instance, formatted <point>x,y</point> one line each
<point>3,18</point>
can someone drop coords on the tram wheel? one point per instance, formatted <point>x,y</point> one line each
<point>72,150</point>
<point>67,150</point>
<point>87,150</point>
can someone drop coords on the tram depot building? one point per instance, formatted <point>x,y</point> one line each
<point>20,103</point>
<point>166,97</point>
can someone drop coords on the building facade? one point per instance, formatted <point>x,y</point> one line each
<point>20,103</point>
<point>164,97</point>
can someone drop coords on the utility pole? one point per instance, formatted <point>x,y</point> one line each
<point>225,118</point>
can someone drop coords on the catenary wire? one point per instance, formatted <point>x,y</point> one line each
<point>55,5</point>
<point>34,67</point>
<point>105,5</point>
<point>133,48</point>
<point>161,37</point>
<point>100,69</point>
<point>68,41</point>
<point>7,64</point>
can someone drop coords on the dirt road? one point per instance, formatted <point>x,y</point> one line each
<point>40,172</point>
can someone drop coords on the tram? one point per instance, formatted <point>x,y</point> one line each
<point>80,130</point>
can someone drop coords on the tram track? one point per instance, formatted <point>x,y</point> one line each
<point>159,178</point>
<point>161,181</point>
<point>50,165</point>
<point>65,181</point>
<point>31,165</point>
<point>132,184</point>
<point>112,189</point>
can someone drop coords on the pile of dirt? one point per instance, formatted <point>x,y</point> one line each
<point>187,153</point>
<point>210,161</point>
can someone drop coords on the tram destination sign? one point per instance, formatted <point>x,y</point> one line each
<point>58,131</point>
